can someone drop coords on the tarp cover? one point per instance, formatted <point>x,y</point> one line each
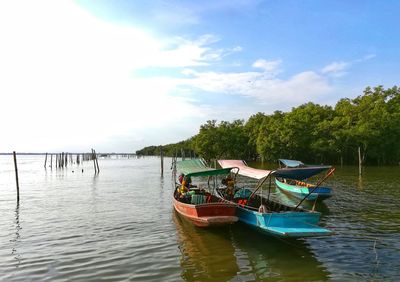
<point>244,169</point>
<point>197,167</point>
<point>291,163</point>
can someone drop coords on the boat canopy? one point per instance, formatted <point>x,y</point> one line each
<point>298,170</point>
<point>244,169</point>
<point>197,167</point>
<point>298,173</point>
<point>291,163</point>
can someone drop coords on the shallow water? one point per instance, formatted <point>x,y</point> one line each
<point>120,225</point>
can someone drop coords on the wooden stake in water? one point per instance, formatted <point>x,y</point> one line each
<point>97,161</point>
<point>45,161</point>
<point>16,174</point>
<point>359,161</point>
<point>162,161</point>
<point>94,161</point>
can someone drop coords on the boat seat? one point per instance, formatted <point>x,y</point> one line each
<point>198,199</point>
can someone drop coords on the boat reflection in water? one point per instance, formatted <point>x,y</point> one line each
<point>268,258</point>
<point>207,254</point>
<point>238,253</point>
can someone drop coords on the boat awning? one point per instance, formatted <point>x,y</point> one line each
<point>197,167</point>
<point>291,163</point>
<point>299,173</point>
<point>298,170</point>
<point>244,169</point>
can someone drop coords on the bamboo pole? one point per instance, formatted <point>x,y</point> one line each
<point>51,161</point>
<point>16,174</point>
<point>359,161</point>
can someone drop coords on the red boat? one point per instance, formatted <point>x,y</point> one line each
<point>199,206</point>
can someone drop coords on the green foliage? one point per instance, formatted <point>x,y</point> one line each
<point>311,133</point>
<point>183,148</point>
<point>224,141</point>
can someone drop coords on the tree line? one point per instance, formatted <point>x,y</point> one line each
<point>310,132</point>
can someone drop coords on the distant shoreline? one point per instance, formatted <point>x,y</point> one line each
<point>80,153</point>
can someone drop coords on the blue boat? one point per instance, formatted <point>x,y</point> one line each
<point>266,215</point>
<point>291,180</point>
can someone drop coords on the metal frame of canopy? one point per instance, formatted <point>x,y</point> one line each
<point>198,167</point>
<point>243,169</point>
<point>262,175</point>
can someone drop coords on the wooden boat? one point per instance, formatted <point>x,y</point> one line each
<point>266,215</point>
<point>301,190</point>
<point>199,206</point>
<point>294,184</point>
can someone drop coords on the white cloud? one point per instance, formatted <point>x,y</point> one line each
<point>267,89</point>
<point>268,66</point>
<point>336,68</point>
<point>365,58</point>
<point>67,77</point>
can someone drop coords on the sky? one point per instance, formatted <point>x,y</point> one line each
<point>120,75</point>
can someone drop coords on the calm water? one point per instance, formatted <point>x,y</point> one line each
<point>120,225</point>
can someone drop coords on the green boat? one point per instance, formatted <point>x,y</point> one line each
<point>295,184</point>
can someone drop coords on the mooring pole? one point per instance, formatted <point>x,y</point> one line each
<point>94,162</point>
<point>162,161</point>
<point>16,174</point>
<point>51,161</point>
<point>359,161</point>
<point>45,161</point>
<point>97,162</point>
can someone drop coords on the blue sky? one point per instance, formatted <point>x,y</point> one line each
<point>120,75</point>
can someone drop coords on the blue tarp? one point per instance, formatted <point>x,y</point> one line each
<point>291,163</point>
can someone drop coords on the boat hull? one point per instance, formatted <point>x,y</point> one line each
<point>300,192</point>
<point>284,224</point>
<point>208,214</point>
<point>278,219</point>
